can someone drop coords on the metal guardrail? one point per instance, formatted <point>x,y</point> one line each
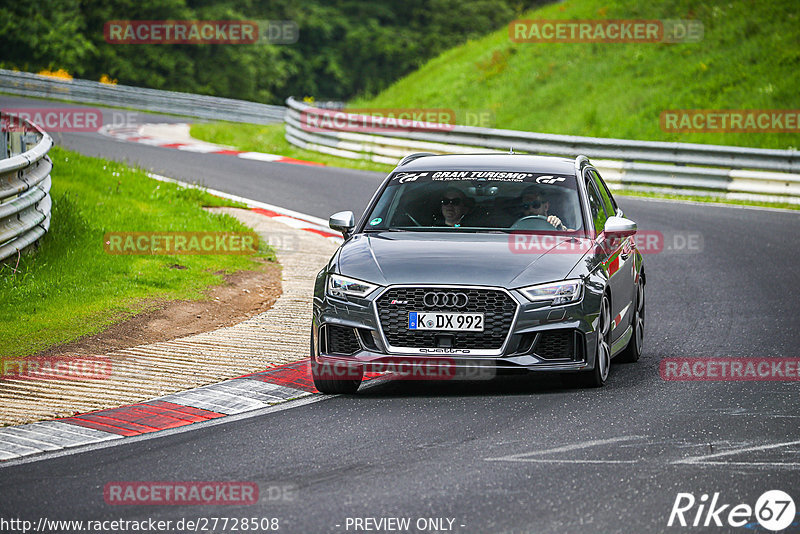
<point>733,172</point>
<point>24,187</point>
<point>190,105</point>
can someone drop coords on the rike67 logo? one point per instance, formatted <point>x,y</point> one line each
<point>774,510</point>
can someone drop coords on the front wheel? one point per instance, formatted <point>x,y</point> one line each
<point>335,378</point>
<point>633,351</point>
<point>602,362</point>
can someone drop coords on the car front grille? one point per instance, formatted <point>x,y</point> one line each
<point>555,345</point>
<point>341,340</point>
<point>497,306</point>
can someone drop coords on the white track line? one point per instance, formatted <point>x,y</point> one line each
<point>292,218</point>
<point>704,459</point>
<point>243,200</point>
<point>524,457</point>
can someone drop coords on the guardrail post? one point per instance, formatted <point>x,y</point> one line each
<point>3,143</point>
<point>29,139</point>
<point>15,143</point>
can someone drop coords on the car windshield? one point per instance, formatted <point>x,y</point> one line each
<point>477,200</point>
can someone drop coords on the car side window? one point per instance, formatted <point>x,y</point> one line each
<point>599,215</point>
<point>605,194</point>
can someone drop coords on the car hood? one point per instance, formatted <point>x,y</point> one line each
<point>448,258</point>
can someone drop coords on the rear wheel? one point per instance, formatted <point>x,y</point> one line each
<point>633,351</point>
<point>334,378</point>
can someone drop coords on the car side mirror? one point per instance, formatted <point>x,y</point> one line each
<point>343,222</point>
<point>619,227</point>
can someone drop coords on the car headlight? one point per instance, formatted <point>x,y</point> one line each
<point>556,293</point>
<point>341,287</point>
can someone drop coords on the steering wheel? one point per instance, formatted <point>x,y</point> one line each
<point>412,218</point>
<point>532,222</point>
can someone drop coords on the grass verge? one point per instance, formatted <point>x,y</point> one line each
<point>706,199</point>
<point>71,288</point>
<point>270,138</point>
<point>748,58</point>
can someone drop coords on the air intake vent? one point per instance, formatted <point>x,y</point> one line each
<point>341,340</point>
<point>555,345</point>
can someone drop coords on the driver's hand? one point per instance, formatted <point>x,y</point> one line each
<point>556,222</point>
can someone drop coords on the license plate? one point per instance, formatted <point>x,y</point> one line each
<point>459,322</point>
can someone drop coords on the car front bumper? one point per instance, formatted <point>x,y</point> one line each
<point>540,338</point>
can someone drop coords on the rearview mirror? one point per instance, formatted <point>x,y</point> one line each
<point>619,227</point>
<point>344,222</point>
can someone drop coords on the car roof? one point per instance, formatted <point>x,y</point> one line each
<point>493,162</point>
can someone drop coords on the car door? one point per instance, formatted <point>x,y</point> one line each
<point>627,257</point>
<point>613,261</point>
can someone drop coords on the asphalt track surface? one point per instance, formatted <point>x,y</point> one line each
<point>515,454</point>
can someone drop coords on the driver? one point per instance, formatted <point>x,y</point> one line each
<point>533,202</point>
<point>454,206</point>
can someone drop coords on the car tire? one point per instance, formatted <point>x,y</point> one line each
<point>335,386</point>
<point>597,377</point>
<point>633,350</point>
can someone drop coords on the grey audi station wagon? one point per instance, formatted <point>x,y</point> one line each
<point>505,262</point>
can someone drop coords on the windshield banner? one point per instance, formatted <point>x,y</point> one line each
<point>498,176</point>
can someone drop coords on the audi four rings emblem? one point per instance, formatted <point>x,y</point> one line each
<point>449,300</point>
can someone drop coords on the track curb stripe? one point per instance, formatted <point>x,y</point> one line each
<point>133,135</point>
<point>293,375</point>
<point>294,219</point>
<point>299,223</point>
<point>246,393</point>
<point>238,395</point>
